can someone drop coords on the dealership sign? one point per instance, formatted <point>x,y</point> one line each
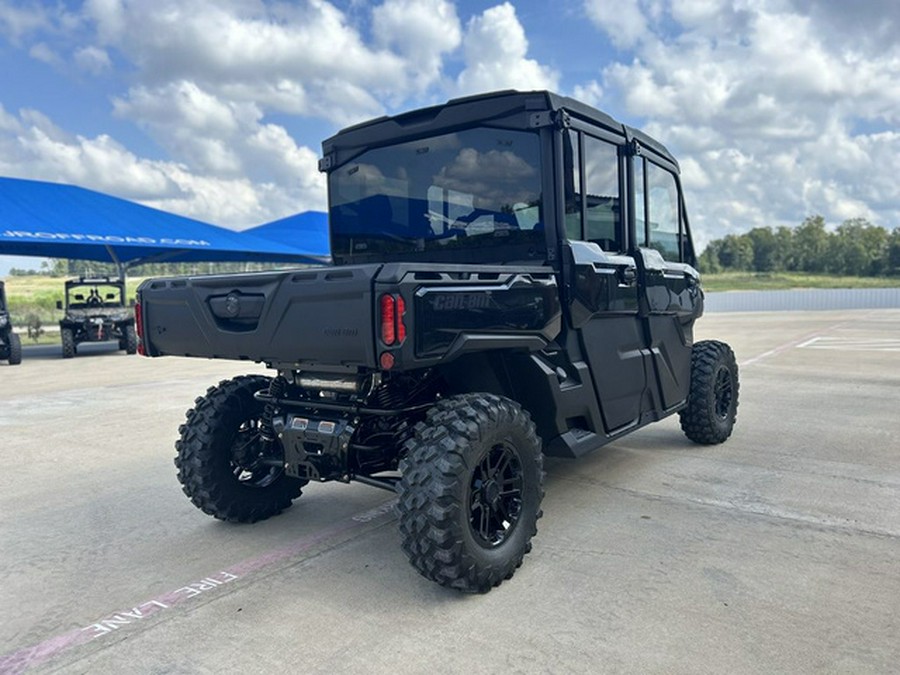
<point>102,238</point>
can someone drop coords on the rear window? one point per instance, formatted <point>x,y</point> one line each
<point>469,196</point>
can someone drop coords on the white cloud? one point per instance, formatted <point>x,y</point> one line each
<point>42,52</point>
<point>227,140</point>
<point>623,21</point>
<point>693,176</point>
<point>194,126</point>
<point>766,106</point>
<point>871,27</point>
<point>109,16</point>
<point>309,52</point>
<point>697,12</point>
<point>230,202</point>
<point>496,55</point>
<point>31,146</point>
<point>590,93</point>
<point>776,108</point>
<point>17,22</point>
<point>93,60</point>
<point>39,150</point>
<point>422,31</point>
<point>208,77</point>
<point>8,123</point>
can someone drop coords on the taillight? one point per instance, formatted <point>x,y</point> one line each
<point>401,327</point>
<point>139,328</point>
<point>388,319</point>
<point>393,330</point>
<point>387,360</point>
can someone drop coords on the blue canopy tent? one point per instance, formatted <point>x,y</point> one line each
<point>51,220</point>
<point>307,230</point>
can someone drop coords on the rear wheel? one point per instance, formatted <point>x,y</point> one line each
<point>713,400</point>
<point>470,494</point>
<point>224,464</point>
<point>15,349</point>
<point>68,343</point>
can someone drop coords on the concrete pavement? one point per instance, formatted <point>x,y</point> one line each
<point>778,551</point>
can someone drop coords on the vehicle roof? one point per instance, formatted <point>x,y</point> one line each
<point>470,109</point>
<point>95,280</point>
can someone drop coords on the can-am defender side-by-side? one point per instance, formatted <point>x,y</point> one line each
<point>96,311</point>
<point>10,342</point>
<point>513,277</point>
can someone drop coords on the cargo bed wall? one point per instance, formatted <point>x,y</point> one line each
<point>301,318</point>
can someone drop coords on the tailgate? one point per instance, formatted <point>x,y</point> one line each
<point>297,318</point>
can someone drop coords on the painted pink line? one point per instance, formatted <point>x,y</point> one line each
<point>28,657</point>
<point>18,662</point>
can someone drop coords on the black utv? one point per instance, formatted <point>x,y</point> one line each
<point>96,311</point>
<point>10,343</point>
<point>513,276</point>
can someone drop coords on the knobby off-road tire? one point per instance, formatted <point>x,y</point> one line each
<point>713,399</point>
<point>129,341</point>
<point>68,343</point>
<point>218,456</point>
<point>15,349</point>
<point>470,492</point>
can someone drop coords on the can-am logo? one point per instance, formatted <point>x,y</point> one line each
<point>451,301</point>
<point>101,238</point>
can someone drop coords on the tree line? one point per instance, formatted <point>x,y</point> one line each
<point>855,248</point>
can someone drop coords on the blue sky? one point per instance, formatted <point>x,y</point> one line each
<point>216,109</point>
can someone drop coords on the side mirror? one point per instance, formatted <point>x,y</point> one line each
<point>59,304</point>
<point>110,296</point>
<point>132,302</point>
<point>79,297</point>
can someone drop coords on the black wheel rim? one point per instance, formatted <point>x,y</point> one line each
<point>496,495</point>
<point>724,391</point>
<point>247,454</point>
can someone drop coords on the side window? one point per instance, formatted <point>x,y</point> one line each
<point>663,231</point>
<point>601,181</point>
<point>640,216</point>
<point>573,185</point>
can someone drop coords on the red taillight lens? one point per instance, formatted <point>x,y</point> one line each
<point>388,319</point>
<point>139,328</point>
<point>387,360</point>
<point>393,330</point>
<point>401,327</point>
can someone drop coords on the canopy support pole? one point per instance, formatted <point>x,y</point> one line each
<point>119,266</point>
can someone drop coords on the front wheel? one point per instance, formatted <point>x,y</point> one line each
<point>15,349</point>
<point>224,464</point>
<point>712,403</point>
<point>68,343</point>
<point>470,492</point>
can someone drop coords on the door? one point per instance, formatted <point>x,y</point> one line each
<point>668,286</point>
<point>603,284</point>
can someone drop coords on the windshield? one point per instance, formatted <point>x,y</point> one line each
<point>468,196</point>
<point>92,296</point>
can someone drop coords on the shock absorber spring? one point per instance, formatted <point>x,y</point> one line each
<point>277,387</point>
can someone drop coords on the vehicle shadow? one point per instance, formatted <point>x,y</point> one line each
<point>53,352</point>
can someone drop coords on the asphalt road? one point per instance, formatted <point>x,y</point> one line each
<point>778,551</point>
